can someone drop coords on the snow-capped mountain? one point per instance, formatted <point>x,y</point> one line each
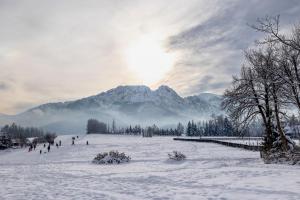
<point>126,104</point>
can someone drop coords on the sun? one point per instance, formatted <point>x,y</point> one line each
<point>148,60</point>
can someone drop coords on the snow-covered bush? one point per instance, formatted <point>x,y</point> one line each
<point>112,157</point>
<point>277,144</point>
<point>176,155</point>
<point>278,150</point>
<point>280,157</point>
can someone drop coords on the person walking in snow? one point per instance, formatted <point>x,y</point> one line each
<point>87,142</point>
<point>41,151</point>
<point>56,145</point>
<point>44,145</point>
<point>31,147</point>
<point>49,148</point>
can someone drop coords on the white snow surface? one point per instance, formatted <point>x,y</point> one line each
<point>211,171</point>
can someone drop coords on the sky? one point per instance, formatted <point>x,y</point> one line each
<point>59,50</point>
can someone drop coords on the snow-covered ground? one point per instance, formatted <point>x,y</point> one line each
<point>211,171</point>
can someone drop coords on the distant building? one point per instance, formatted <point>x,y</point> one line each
<point>5,142</point>
<point>32,140</point>
<point>16,142</point>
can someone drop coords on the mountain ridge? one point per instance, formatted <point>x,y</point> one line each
<point>135,104</point>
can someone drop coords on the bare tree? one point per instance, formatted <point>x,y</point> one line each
<point>289,72</point>
<point>246,101</point>
<point>113,126</point>
<point>285,76</point>
<point>277,89</point>
<point>270,26</point>
<point>288,46</point>
<point>257,93</point>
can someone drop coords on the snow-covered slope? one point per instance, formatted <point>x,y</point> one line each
<point>206,103</point>
<point>211,171</point>
<point>126,104</point>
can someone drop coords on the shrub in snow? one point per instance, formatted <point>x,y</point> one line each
<point>176,155</point>
<point>278,143</point>
<point>112,157</point>
<point>278,155</point>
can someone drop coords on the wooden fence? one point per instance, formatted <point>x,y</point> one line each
<point>230,144</point>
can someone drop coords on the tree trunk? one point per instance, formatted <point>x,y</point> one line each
<point>280,130</point>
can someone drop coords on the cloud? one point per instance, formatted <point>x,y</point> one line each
<point>212,50</point>
<point>58,51</point>
<point>3,86</point>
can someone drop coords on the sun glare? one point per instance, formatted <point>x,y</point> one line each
<point>148,60</point>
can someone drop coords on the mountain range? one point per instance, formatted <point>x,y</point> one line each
<point>124,104</point>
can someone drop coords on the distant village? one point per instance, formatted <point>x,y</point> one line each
<point>14,136</point>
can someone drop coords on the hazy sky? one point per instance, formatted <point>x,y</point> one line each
<point>59,50</point>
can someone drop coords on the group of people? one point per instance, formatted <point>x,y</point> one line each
<point>73,140</point>
<point>49,147</point>
<point>58,144</point>
<point>33,145</point>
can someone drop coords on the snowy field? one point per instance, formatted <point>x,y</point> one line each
<point>211,171</point>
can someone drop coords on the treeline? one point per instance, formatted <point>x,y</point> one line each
<point>154,130</point>
<point>19,133</point>
<point>216,126</point>
<point>95,126</point>
<point>98,127</point>
<point>268,84</point>
<point>222,126</point>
